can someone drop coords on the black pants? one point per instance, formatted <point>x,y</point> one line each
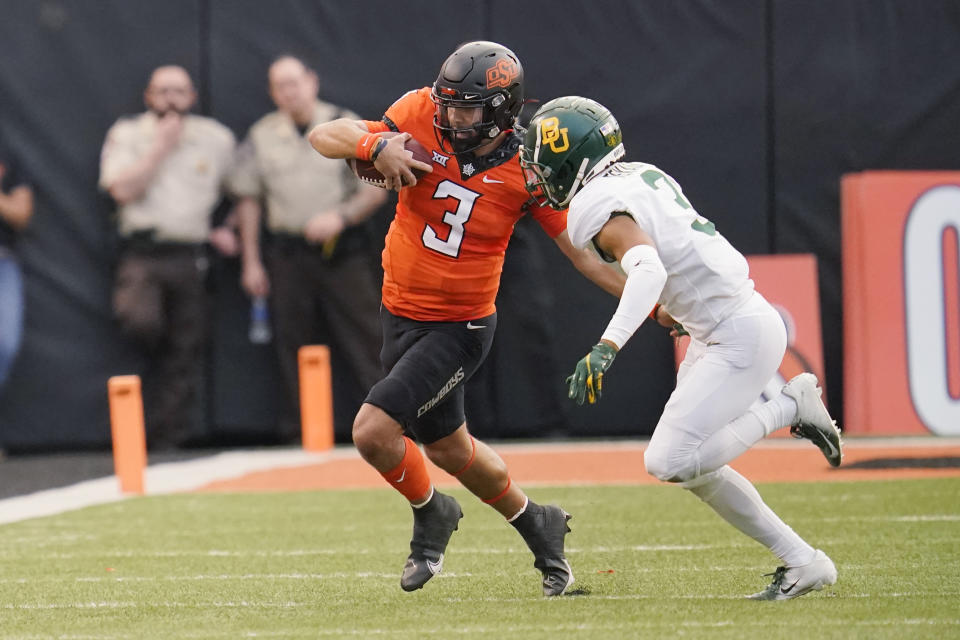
<point>429,363</point>
<point>160,301</point>
<point>316,300</point>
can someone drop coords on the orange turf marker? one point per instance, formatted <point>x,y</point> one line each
<point>316,397</point>
<point>126,426</point>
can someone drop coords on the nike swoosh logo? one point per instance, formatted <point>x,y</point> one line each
<point>402,476</point>
<point>787,590</point>
<point>470,325</point>
<point>490,180</point>
<point>435,567</point>
<point>826,442</point>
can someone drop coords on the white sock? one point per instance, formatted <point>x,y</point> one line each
<point>731,440</point>
<point>526,503</point>
<point>777,413</point>
<point>424,503</point>
<point>738,435</point>
<point>737,501</point>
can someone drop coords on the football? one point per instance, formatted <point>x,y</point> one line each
<point>368,173</point>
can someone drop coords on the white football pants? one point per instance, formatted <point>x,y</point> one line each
<point>708,421</point>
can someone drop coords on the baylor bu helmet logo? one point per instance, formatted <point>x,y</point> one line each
<point>502,74</point>
<point>551,134</point>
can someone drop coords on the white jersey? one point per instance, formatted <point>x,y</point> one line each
<point>707,279</point>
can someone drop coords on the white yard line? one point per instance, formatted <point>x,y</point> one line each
<point>172,477</point>
<point>860,442</point>
<point>168,477</point>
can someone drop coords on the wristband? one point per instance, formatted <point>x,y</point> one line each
<point>377,148</point>
<point>366,144</point>
<point>653,314</point>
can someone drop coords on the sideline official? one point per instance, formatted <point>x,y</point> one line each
<point>318,271</point>
<point>164,169</point>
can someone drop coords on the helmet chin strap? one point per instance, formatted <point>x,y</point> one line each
<point>577,182</point>
<point>536,148</point>
<point>606,161</point>
<point>582,179</point>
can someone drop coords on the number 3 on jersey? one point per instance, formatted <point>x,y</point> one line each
<point>455,219</point>
<point>656,179</point>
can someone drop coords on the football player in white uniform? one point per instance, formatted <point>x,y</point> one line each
<point>678,265</point>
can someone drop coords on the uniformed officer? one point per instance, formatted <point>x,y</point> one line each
<point>164,168</point>
<point>320,270</point>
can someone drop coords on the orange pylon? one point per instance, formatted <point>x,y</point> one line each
<point>126,426</point>
<point>316,397</point>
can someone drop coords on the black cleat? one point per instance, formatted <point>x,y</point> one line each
<point>543,529</point>
<point>433,524</point>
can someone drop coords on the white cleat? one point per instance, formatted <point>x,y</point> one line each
<point>792,582</point>
<point>813,422</point>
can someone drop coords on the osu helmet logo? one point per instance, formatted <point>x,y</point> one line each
<point>551,134</point>
<point>502,74</point>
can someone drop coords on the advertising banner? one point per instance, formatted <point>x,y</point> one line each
<point>900,302</point>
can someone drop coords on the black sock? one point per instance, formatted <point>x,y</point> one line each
<point>528,522</point>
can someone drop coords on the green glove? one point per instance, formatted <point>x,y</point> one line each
<point>587,379</point>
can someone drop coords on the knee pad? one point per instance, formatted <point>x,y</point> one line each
<point>668,467</point>
<point>698,483</point>
<point>706,485</point>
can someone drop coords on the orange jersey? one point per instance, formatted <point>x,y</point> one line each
<point>445,247</point>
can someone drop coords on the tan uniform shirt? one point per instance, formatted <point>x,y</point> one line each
<point>277,163</point>
<point>186,188</point>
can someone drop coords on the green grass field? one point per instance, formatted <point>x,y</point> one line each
<point>652,560</point>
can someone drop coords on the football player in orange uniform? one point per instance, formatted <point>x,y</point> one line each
<point>442,261</point>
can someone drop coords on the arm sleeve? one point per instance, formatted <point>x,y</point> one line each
<point>645,279</point>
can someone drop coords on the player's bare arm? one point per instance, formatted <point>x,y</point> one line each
<point>338,138</point>
<point>587,263</point>
<point>341,139</point>
<point>620,234</point>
